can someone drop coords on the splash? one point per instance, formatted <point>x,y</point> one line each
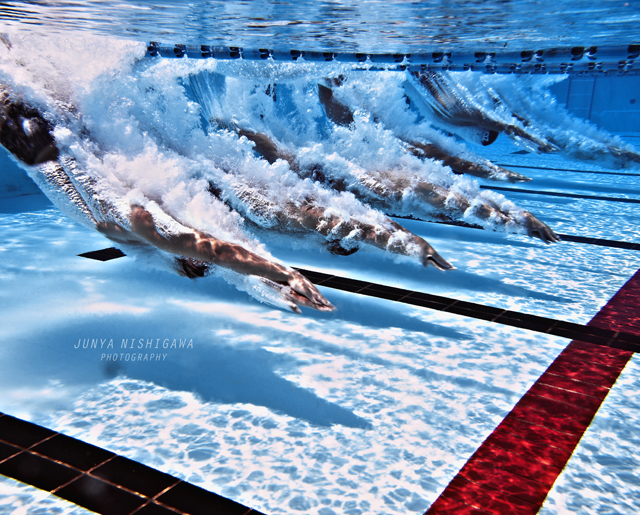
<point>523,108</point>
<point>193,158</point>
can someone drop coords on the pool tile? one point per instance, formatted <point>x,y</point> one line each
<point>604,341</point>
<point>518,486</point>
<point>196,501</point>
<point>22,433</point>
<point>573,385</point>
<point>538,324</point>
<point>518,464</point>
<point>633,339</point>
<point>573,331</point>
<point>474,310</point>
<point>134,476</point>
<point>426,301</point>
<point>557,423</point>
<point>385,292</point>
<point>554,457</point>
<point>565,396</point>
<point>37,471</point>
<point>354,283</point>
<point>489,499</point>
<point>589,329</point>
<point>70,451</point>
<point>557,409</point>
<point>582,357</point>
<point>533,433</point>
<point>101,497</point>
<point>344,284</point>
<point>599,354</point>
<point>154,509</point>
<point>593,373</point>
<point>620,343</point>
<point>446,506</point>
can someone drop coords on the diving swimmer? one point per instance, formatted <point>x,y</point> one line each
<point>27,135</point>
<point>387,188</point>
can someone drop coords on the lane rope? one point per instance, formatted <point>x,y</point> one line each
<point>603,60</point>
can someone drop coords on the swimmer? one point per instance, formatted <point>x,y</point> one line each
<point>28,136</point>
<point>457,109</point>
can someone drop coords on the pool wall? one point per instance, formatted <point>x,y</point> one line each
<point>612,103</point>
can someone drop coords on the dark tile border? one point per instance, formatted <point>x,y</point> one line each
<point>564,237</point>
<point>97,479</point>
<point>585,333</point>
<point>516,466</point>
<point>607,337</point>
<point>104,254</point>
<point>558,194</point>
<point>568,170</point>
<point>600,242</point>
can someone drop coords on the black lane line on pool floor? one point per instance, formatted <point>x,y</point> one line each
<point>627,245</point>
<point>104,254</point>
<point>558,194</point>
<point>97,479</point>
<point>551,326</point>
<point>595,335</point>
<point>568,170</point>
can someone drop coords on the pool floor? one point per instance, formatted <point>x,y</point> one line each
<point>374,408</point>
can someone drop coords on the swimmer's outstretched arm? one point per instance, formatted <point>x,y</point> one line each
<point>393,238</point>
<point>202,247</point>
<point>435,196</point>
<point>462,166</point>
<point>457,205</point>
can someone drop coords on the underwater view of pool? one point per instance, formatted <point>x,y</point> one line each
<point>202,352</point>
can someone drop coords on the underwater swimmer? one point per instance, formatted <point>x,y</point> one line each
<point>28,136</point>
<point>309,215</point>
<point>451,107</point>
<point>341,115</point>
<point>451,204</point>
<point>389,186</point>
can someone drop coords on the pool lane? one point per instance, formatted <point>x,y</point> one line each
<point>514,469</point>
<point>599,334</point>
<point>511,472</point>
<point>537,408</point>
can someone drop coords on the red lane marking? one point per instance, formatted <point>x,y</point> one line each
<point>514,469</point>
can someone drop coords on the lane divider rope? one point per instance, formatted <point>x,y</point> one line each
<point>603,60</point>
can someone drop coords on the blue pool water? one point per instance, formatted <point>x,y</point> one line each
<point>372,26</point>
<point>374,407</point>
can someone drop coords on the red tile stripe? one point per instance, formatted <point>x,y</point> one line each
<point>514,469</point>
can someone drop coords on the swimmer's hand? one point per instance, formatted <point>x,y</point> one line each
<point>512,176</point>
<point>537,229</point>
<point>429,256</point>
<point>299,291</point>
